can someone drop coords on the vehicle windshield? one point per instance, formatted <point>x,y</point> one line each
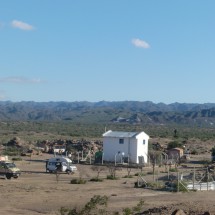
<point>10,165</point>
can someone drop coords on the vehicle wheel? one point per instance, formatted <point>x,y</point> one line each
<point>68,171</point>
<point>8,176</point>
<point>15,177</point>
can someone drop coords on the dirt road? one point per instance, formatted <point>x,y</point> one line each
<point>37,192</point>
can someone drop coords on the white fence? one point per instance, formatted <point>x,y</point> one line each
<point>202,186</point>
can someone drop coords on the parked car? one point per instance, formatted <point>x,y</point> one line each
<point>9,170</point>
<point>60,164</point>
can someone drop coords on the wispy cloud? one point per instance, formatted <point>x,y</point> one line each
<point>22,25</point>
<point>140,43</point>
<point>20,80</point>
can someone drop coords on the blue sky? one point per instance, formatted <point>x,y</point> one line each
<point>113,50</point>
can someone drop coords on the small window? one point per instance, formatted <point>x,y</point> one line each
<point>144,142</point>
<point>121,141</point>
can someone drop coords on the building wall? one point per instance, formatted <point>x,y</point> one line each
<point>142,147</point>
<point>175,153</point>
<point>111,147</point>
<point>132,148</point>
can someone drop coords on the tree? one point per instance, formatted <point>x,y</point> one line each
<point>175,132</point>
<point>154,157</point>
<point>213,153</point>
<point>98,169</point>
<point>174,144</point>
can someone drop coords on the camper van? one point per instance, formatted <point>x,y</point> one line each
<point>60,164</point>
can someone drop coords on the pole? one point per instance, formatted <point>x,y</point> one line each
<point>157,177</point>
<point>102,158</point>
<point>128,148</point>
<point>178,182</point>
<point>168,171</point>
<point>207,179</point>
<point>194,175</point>
<point>78,157</point>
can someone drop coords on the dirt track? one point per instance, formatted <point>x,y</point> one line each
<point>37,192</point>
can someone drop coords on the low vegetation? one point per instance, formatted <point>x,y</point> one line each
<point>78,181</point>
<point>35,132</point>
<point>98,205</point>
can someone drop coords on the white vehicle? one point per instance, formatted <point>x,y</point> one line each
<point>59,149</point>
<point>60,164</point>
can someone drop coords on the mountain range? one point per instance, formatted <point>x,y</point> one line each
<point>146,112</point>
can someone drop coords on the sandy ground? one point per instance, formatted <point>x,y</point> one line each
<point>37,192</point>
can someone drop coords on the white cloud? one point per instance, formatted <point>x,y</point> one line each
<point>20,80</point>
<point>140,43</point>
<point>22,25</point>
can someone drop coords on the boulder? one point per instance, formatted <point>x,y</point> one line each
<point>178,212</point>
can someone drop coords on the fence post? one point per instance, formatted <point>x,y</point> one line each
<point>194,175</point>
<point>78,157</point>
<point>102,158</point>
<point>178,182</point>
<point>157,177</point>
<point>168,171</point>
<point>207,178</point>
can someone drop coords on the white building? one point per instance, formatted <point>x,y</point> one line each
<point>121,146</point>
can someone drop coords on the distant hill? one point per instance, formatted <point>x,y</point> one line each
<point>110,112</point>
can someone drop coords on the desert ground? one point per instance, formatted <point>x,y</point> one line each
<point>37,192</point>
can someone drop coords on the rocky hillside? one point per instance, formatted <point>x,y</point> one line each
<point>110,112</point>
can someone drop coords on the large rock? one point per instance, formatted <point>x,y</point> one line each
<point>178,212</point>
<point>207,213</point>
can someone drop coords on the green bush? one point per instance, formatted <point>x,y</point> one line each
<point>140,174</point>
<point>127,211</point>
<point>111,177</point>
<point>11,151</point>
<point>90,208</point>
<point>96,179</point>
<point>194,152</point>
<point>78,181</point>
<point>17,159</point>
<point>173,170</point>
<point>174,144</point>
<point>155,185</point>
<point>150,173</point>
<point>98,205</point>
<point>128,176</point>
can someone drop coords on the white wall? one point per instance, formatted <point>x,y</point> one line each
<point>111,147</point>
<point>142,149</point>
<point>132,146</point>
